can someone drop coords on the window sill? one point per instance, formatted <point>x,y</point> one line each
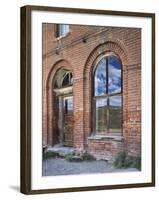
<point>106,137</point>
<point>62,36</point>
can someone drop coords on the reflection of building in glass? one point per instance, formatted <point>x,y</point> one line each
<point>92,88</point>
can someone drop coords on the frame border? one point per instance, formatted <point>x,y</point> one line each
<point>25,96</point>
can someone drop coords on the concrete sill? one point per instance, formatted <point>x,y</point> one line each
<point>103,137</point>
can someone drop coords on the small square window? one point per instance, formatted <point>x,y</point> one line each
<point>62,29</point>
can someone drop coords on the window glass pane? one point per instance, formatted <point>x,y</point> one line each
<point>115,114</point>
<point>59,29</point>
<point>114,74</point>
<point>66,28</point>
<point>65,81</point>
<point>100,78</point>
<point>63,29</point>
<point>101,116</point>
<point>68,104</point>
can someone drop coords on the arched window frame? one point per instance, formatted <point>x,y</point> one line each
<point>60,80</point>
<point>94,97</point>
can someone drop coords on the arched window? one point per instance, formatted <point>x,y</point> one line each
<point>107,97</point>
<point>63,79</point>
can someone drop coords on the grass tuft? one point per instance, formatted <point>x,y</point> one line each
<point>87,157</point>
<point>78,157</point>
<point>50,154</point>
<point>123,160</point>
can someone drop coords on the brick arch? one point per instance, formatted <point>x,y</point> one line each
<point>50,101</point>
<point>58,65</point>
<point>116,47</point>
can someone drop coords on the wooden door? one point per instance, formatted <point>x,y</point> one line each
<point>68,121</point>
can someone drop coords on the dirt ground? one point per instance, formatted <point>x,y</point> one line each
<point>60,166</point>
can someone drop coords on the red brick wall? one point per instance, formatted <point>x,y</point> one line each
<point>78,52</point>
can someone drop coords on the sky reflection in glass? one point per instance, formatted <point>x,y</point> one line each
<point>115,101</point>
<point>70,104</point>
<point>108,109</point>
<point>114,75</point>
<point>100,78</point>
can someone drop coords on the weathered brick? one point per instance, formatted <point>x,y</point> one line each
<point>78,52</point>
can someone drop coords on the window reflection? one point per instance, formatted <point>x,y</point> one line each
<point>107,96</point>
<point>62,29</point>
<point>114,74</point>
<point>101,115</point>
<point>100,78</point>
<point>68,104</point>
<point>115,114</point>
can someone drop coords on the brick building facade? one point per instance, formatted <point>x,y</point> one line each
<point>73,114</point>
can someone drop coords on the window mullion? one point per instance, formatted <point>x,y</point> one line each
<point>94,117</point>
<point>107,79</point>
<point>107,115</point>
<point>69,79</point>
<point>106,75</point>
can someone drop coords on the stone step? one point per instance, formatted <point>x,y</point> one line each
<point>61,150</point>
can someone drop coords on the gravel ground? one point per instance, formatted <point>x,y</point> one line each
<point>59,166</point>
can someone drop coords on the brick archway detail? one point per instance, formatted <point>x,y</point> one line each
<point>51,116</point>
<point>119,49</point>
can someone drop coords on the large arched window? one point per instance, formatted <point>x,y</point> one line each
<point>107,97</point>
